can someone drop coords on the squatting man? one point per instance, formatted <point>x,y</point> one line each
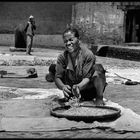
<point>75,72</point>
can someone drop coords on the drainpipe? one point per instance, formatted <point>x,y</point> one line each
<point>124,26</point>
<point>73,18</point>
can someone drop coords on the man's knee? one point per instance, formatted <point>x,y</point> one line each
<point>99,82</point>
<point>52,68</point>
<point>51,75</point>
<point>99,68</point>
<point>99,73</point>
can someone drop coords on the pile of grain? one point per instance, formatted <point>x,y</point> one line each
<point>87,111</point>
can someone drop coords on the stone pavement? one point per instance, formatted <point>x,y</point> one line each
<point>30,113</point>
<point>30,103</point>
<point>39,56</point>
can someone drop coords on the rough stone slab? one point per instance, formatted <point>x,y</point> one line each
<point>40,124</point>
<point>128,121</point>
<point>25,108</point>
<point>1,129</point>
<point>32,93</point>
<point>121,52</point>
<point>18,60</point>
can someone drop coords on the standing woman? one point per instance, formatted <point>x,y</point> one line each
<point>30,27</point>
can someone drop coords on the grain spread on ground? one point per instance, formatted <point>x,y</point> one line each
<point>87,111</point>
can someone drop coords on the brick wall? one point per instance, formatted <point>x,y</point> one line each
<point>102,22</point>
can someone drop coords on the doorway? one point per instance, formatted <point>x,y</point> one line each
<point>132,26</point>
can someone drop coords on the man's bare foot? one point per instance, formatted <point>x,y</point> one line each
<point>99,102</point>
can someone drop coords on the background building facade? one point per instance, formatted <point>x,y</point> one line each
<point>108,22</point>
<point>51,17</point>
<point>101,22</point>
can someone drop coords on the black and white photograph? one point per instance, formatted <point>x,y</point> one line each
<point>70,69</point>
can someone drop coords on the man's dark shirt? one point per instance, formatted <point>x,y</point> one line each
<point>83,67</point>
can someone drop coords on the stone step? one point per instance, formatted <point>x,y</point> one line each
<point>114,51</point>
<point>19,60</point>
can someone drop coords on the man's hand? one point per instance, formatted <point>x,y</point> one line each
<point>67,91</point>
<point>76,91</point>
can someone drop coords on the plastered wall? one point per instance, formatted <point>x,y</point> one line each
<point>51,17</point>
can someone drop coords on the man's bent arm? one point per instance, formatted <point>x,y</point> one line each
<point>59,83</point>
<point>83,83</point>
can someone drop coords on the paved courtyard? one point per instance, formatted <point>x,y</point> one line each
<point>14,107</point>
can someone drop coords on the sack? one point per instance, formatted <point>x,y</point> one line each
<point>32,73</point>
<point>131,82</point>
<point>20,37</point>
